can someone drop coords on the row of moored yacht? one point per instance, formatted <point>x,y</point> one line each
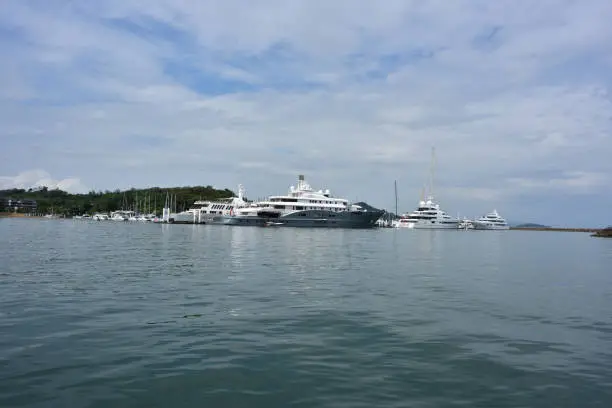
<point>121,215</point>
<point>302,206</point>
<point>429,216</point>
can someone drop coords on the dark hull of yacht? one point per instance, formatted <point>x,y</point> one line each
<point>310,219</point>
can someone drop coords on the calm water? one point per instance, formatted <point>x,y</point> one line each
<point>142,315</point>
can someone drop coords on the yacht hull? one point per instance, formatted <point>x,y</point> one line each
<point>191,218</point>
<point>486,226</point>
<point>310,219</point>
<point>428,226</point>
<point>446,226</point>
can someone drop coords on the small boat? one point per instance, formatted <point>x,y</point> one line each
<point>465,224</point>
<point>604,233</point>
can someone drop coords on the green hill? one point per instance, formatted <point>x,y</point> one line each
<point>531,225</point>
<point>150,199</point>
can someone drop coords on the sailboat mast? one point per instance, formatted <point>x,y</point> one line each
<point>431,171</point>
<point>395,184</point>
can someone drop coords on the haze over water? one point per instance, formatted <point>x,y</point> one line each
<point>145,315</point>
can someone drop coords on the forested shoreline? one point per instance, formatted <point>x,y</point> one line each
<point>149,200</point>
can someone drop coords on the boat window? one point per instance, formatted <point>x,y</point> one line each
<point>299,207</point>
<point>279,207</point>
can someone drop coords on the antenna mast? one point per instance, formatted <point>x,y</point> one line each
<point>431,171</point>
<point>395,183</point>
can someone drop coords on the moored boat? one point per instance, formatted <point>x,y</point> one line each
<point>604,233</point>
<point>303,206</point>
<point>491,221</point>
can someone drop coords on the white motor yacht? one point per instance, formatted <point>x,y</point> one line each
<point>210,211</point>
<point>427,216</point>
<point>491,221</point>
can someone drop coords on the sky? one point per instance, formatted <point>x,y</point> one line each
<point>514,96</point>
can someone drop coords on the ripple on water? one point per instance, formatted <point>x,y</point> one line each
<point>125,315</point>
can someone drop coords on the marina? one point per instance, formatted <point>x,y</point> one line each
<point>301,206</point>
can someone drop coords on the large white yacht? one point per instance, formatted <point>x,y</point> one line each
<point>304,207</point>
<point>210,211</point>
<point>491,221</point>
<point>427,216</point>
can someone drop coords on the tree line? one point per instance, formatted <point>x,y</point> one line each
<point>149,200</point>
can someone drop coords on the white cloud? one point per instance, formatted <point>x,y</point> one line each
<point>352,93</point>
<point>40,178</point>
<point>570,182</point>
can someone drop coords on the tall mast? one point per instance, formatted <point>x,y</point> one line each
<point>395,184</point>
<point>431,171</point>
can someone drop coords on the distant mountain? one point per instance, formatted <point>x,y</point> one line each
<point>531,225</point>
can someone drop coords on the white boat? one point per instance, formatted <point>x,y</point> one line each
<point>100,217</point>
<point>303,206</point>
<point>210,211</point>
<point>491,221</point>
<point>427,216</point>
<point>121,215</point>
<point>466,224</point>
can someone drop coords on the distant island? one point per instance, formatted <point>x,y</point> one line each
<point>43,200</point>
<point>531,225</point>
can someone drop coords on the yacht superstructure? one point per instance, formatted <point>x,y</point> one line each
<point>491,221</point>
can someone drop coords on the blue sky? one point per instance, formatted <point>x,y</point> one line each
<point>515,96</point>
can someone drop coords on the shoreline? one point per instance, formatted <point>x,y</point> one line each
<point>556,229</point>
<point>550,229</point>
<point>21,215</point>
